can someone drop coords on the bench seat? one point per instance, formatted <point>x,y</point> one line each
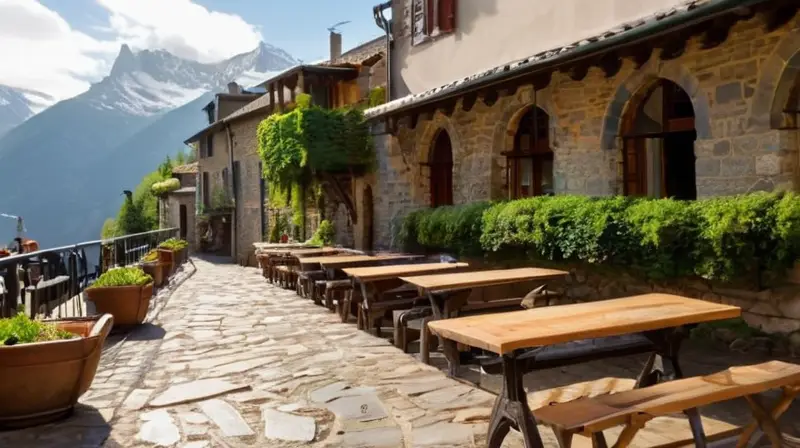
<point>633,408</point>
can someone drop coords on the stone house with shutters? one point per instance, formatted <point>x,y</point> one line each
<point>344,79</point>
<point>500,99</point>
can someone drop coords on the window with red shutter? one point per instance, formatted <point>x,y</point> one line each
<point>431,18</point>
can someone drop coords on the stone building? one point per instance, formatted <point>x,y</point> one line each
<point>344,79</point>
<point>177,208</point>
<point>496,99</point>
<point>214,193</point>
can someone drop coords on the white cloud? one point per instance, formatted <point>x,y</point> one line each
<point>181,27</point>
<point>39,50</point>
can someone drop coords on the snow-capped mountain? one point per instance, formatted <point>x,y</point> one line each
<point>17,105</point>
<point>64,168</point>
<point>151,82</point>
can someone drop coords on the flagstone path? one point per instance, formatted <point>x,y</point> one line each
<point>231,361</point>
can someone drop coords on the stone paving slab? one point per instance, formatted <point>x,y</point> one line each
<point>233,362</point>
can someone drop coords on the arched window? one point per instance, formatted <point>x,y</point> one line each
<point>658,150</point>
<point>530,164</point>
<point>441,167</point>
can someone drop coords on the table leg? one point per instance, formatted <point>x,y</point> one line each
<point>668,344</point>
<point>511,409</point>
<point>365,322</point>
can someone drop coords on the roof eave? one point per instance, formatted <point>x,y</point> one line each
<point>647,31</point>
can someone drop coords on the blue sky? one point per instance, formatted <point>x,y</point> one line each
<point>299,26</point>
<point>61,46</point>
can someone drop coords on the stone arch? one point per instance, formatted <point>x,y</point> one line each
<point>778,75</point>
<point>506,127</point>
<point>636,86</point>
<point>431,131</point>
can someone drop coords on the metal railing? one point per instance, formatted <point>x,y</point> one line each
<point>42,282</point>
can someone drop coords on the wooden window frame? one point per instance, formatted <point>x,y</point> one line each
<point>210,145</point>
<point>438,18</point>
<point>538,153</point>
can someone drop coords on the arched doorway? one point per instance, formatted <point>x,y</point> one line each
<point>658,144</point>
<point>441,167</point>
<point>530,163</point>
<point>367,219</point>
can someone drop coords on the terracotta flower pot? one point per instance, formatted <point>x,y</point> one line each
<point>41,382</point>
<point>168,256</point>
<point>128,304</point>
<point>156,270</point>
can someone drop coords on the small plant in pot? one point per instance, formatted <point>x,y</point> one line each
<point>173,251</point>
<point>45,366</point>
<point>152,266</point>
<point>124,293</point>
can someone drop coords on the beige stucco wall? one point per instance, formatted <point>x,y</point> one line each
<point>493,32</point>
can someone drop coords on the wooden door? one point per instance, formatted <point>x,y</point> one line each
<point>183,218</point>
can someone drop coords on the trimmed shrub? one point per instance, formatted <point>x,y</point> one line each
<point>128,276</point>
<point>720,238</point>
<point>165,186</point>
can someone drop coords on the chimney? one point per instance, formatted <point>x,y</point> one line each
<point>234,88</point>
<point>336,45</point>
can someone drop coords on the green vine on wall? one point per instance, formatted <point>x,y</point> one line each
<point>297,145</point>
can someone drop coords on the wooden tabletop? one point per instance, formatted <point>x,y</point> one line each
<point>343,260</point>
<point>464,280</point>
<point>319,251</point>
<point>376,273</point>
<point>504,332</point>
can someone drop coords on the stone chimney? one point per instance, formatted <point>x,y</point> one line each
<point>234,88</point>
<point>336,46</point>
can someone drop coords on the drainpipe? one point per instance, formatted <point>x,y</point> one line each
<point>386,26</point>
<point>234,235</point>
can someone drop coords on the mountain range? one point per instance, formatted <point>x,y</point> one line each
<point>63,170</point>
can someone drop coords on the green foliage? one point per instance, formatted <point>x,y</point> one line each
<point>278,226</point>
<point>174,244</point>
<point>453,228</point>
<point>324,235</point>
<point>21,329</point>
<point>127,276</point>
<point>165,186</point>
<point>721,238</point>
<point>298,206</point>
<point>150,256</point>
<point>132,218</point>
<point>220,199</point>
<point>377,96</point>
<point>110,229</point>
<point>310,138</point>
<point>165,168</point>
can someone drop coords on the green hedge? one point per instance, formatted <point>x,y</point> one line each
<point>721,238</point>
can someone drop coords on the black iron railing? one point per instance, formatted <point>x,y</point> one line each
<point>52,280</point>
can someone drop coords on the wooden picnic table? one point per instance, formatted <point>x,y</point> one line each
<point>330,263</point>
<point>374,281</point>
<point>656,316</point>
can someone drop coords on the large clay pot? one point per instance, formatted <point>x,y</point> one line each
<point>128,304</point>
<point>168,256</point>
<point>183,255</point>
<point>156,270</point>
<point>41,382</point>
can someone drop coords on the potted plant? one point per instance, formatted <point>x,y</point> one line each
<point>124,293</point>
<point>152,266</point>
<point>173,251</point>
<point>46,366</point>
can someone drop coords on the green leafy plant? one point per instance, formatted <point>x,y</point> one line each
<point>150,257</point>
<point>21,329</point>
<point>126,276</point>
<point>278,225</point>
<point>324,234</point>
<point>377,96</point>
<point>719,239</point>
<point>165,186</point>
<point>174,244</point>
<point>220,199</point>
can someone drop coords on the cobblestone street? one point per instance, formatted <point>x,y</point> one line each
<point>231,361</point>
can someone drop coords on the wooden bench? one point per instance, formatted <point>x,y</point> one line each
<point>634,408</point>
<point>305,282</point>
<point>286,275</point>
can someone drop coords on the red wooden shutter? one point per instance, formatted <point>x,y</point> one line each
<point>447,15</point>
<point>430,23</point>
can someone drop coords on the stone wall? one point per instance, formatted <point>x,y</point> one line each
<point>248,200</point>
<point>213,166</point>
<point>735,88</point>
